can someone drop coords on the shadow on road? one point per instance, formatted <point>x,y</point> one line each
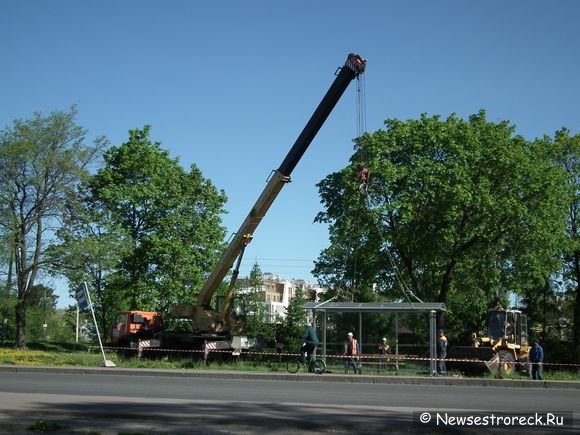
<point>203,418</point>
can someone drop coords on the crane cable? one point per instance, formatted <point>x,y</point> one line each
<point>407,292</point>
<point>362,158</point>
<point>361,113</point>
<point>360,130</point>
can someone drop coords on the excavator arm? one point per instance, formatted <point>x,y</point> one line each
<point>204,318</point>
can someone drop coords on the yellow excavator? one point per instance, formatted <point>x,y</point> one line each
<point>503,346</point>
<point>507,337</point>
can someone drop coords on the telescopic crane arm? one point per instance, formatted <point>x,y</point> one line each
<point>203,317</point>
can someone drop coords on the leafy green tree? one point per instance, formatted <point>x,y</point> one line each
<point>7,310</point>
<point>40,309</point>
<point>568,148</point>
<point>6,263</point>
<point>41,160</point>
<point>549,307</point>
<point>7,299</point>
<point>88,248</point>
<point>43,297</point>
<point>168,217</point>
<point>65,324</point>
<point>293,325</point>
<point>454,207</point>
<point>256,318</point>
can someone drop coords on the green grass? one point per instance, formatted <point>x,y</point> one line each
<point>83,355</point>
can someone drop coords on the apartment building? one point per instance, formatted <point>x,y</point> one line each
<point>276,294</point>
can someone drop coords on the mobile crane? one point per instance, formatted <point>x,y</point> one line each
<point>217,327</point>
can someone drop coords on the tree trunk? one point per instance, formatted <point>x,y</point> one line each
<point>20,342</point>
<point>10,273</point>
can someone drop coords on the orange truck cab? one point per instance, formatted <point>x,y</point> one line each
<point>129,324</point>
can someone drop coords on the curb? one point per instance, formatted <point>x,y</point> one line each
<point>308,377</point>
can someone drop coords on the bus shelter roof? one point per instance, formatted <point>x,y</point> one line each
<point>375,307</point>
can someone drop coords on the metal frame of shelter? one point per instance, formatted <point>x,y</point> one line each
<point>395,307</point>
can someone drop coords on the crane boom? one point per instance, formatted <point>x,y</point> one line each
<point>203,317</point>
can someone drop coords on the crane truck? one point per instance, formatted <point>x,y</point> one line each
<point>217,328</point>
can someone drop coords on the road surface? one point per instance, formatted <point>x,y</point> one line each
<point>141,402</point>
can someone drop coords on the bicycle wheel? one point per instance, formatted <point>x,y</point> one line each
<point>319,366</point>
<point>293,365</point>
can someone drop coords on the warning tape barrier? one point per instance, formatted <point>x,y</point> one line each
<point>369,358</point>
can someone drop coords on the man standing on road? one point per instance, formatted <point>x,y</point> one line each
<point>537,359</point>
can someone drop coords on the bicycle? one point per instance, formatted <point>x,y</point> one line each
<point>314,364</point>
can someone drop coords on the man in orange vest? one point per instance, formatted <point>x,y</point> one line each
<point>351,352</point>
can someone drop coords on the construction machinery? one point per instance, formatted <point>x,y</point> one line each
<point>220,327</point>
<point>503,346</point>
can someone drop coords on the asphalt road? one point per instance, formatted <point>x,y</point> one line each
<point>222,403</point>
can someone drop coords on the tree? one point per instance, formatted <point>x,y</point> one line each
<point>256,318</point>
<point>454,206</point>
<point>292,328</point>
<point>40,308</point>
<point>88,248</point>
<point>568,148</point>
<point>7,299</point>
<point>169,219</point>
<point>41,160</point>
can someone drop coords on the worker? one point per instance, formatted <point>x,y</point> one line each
<point>351,353</point>
<point>536,357</point>
<point>442,348</point>
<point>363,178</point>
<point>508,331</point>
<point>383,350</point>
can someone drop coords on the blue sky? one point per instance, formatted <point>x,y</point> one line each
<point>229,85</point>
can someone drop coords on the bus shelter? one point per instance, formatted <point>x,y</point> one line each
<point>324,308</point>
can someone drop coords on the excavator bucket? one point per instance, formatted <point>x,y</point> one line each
<point>493,364</point>
<point>469,360</point>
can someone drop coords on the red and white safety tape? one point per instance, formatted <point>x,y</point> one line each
<point>368,358</point>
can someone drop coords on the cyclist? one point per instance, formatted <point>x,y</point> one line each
<point>309,342</point>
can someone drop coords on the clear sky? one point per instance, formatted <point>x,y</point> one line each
<point>229,85</point>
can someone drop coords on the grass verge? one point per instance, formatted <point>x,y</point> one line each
<point>83,355</point>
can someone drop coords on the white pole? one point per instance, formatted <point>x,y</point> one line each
<point>397,342</point>
<point>77,328</point>
<point>432,340</point>
<point>106,362</point>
